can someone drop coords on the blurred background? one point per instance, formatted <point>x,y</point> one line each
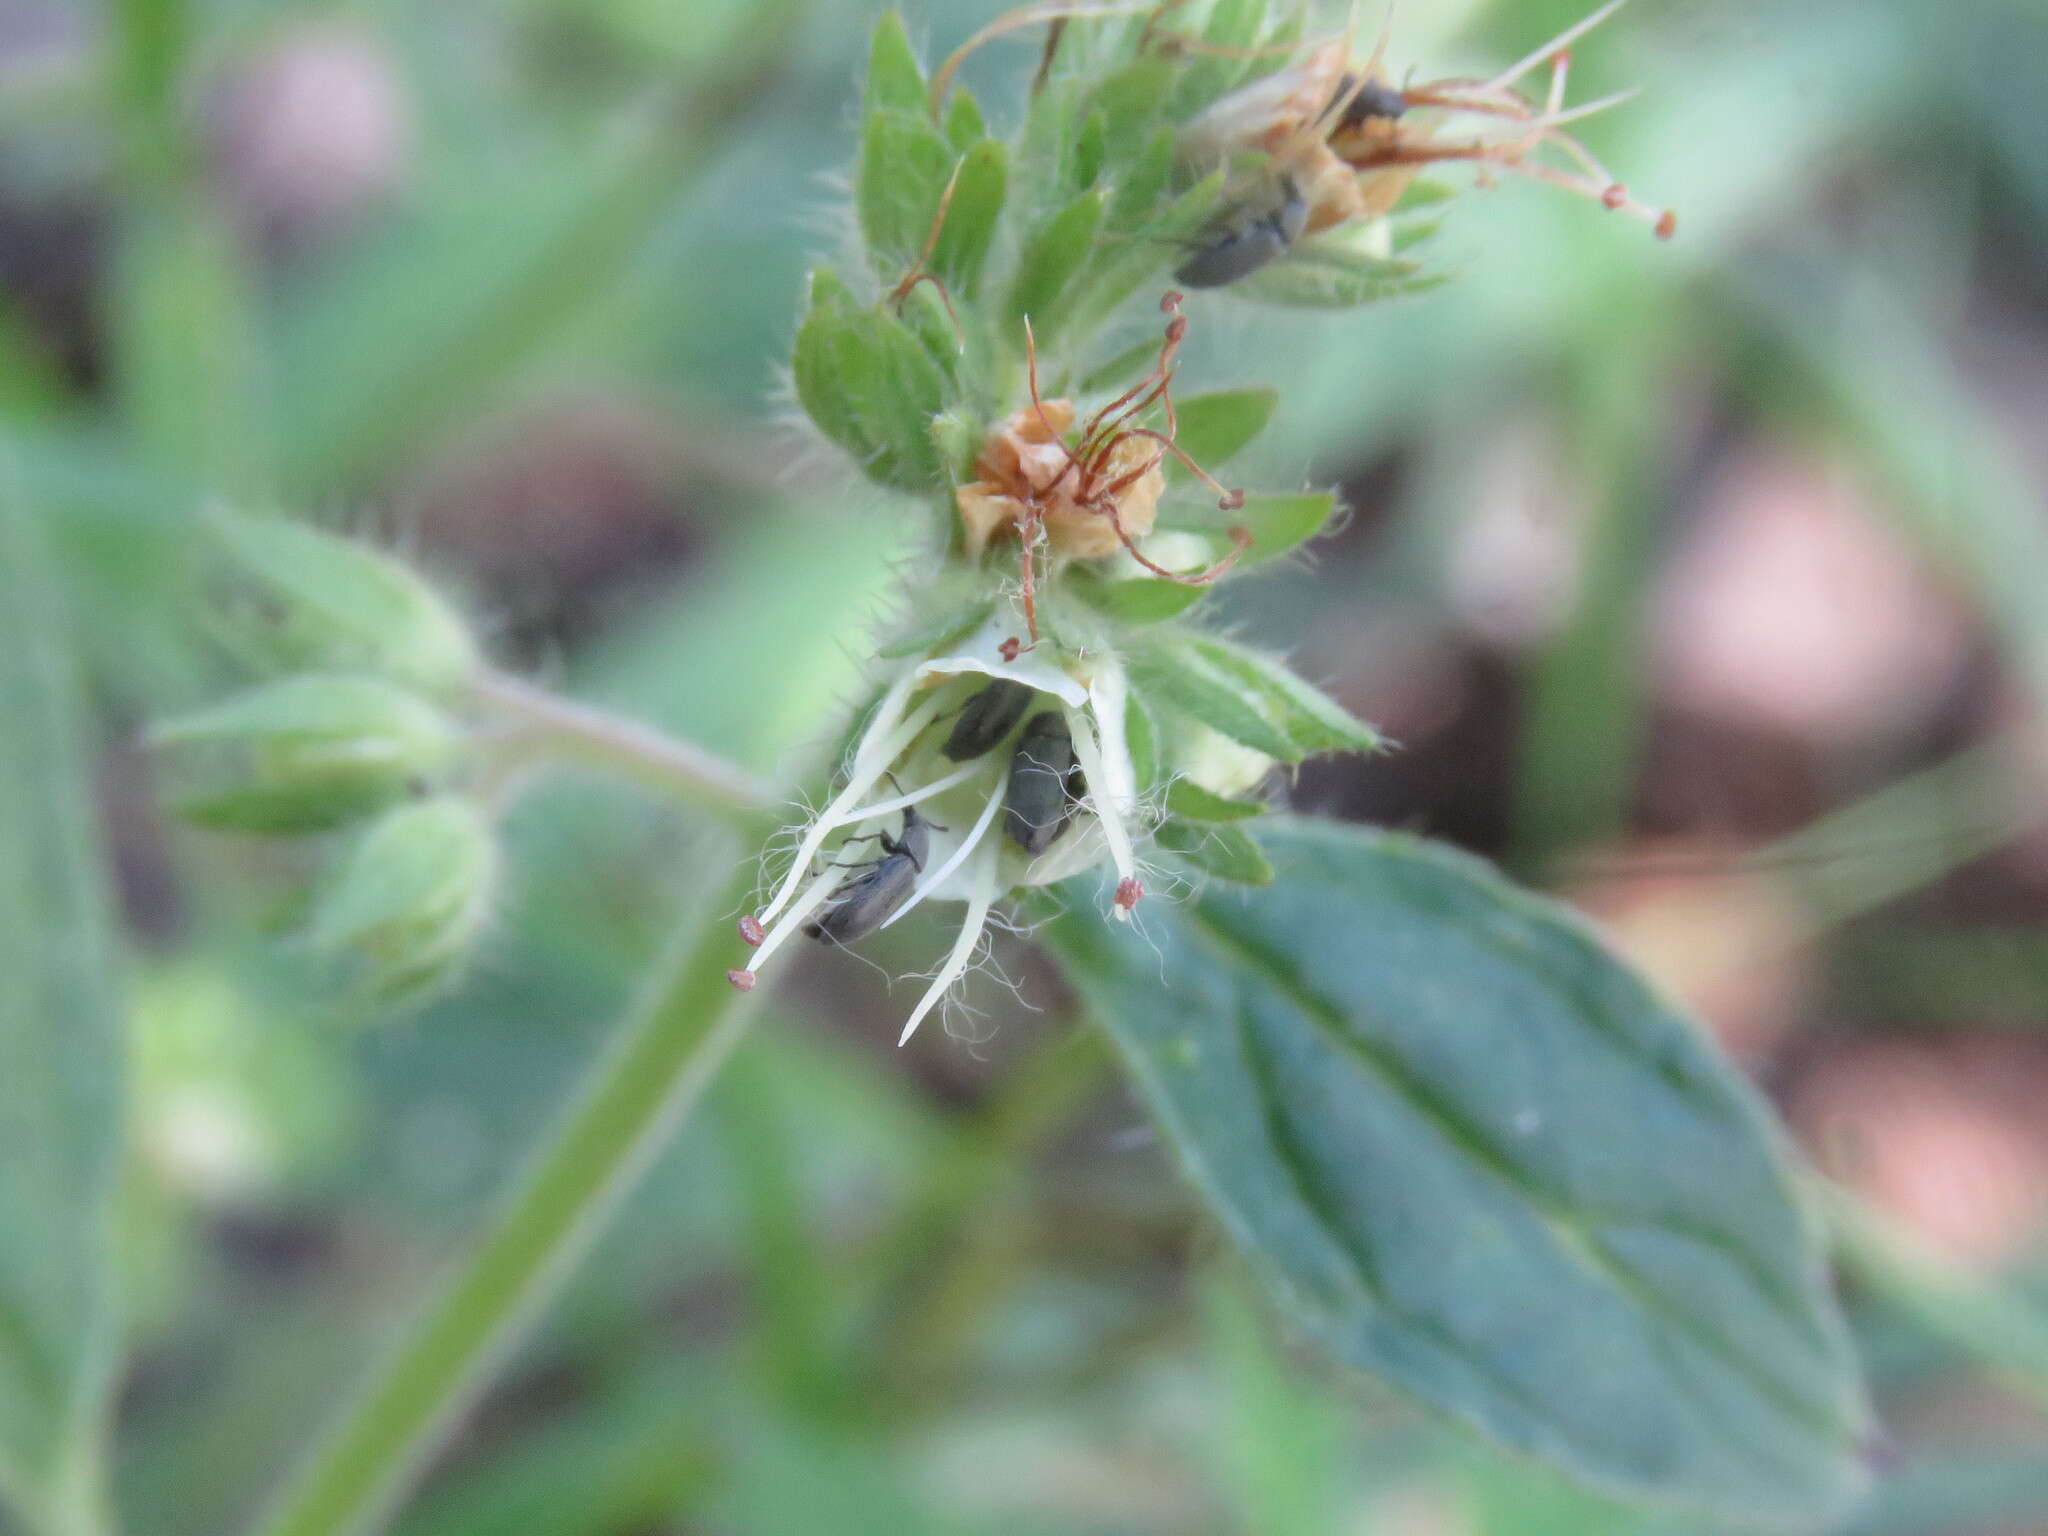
<point>1702,583</point>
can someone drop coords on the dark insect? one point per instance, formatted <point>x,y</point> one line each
<point>987,718</point>
<point>864,903</point>
<point>1361,103</point>
<point>1045,784</point>
<point>1245,236</point>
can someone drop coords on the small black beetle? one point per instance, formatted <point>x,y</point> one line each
<point>1373,99</point>
<point>1045,784</point>
<point>864,903</point>
<point>987,718</point>
<point>1245,236</point>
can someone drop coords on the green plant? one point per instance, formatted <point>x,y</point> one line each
<point>1470,1151</point>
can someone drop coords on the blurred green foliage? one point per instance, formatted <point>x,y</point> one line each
<point>518,299</point>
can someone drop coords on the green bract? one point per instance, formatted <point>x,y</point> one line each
<point>409,899</point>
<point>305,753</point>
<point>303,598</point>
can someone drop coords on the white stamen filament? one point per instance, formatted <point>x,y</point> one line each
<point>868,768</point>
<point>1564,39</point>
<point>975,834</point>
<point>1107,812</point>
<point>924,792</point>
<point>815,895</point>
<point>978,902</point>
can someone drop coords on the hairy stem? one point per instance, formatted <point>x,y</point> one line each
<point>668,1049</point>
<point>545,724</point>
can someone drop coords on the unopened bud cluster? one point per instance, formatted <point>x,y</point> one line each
<point>360,739</point>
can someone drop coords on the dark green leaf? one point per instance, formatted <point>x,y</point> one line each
<point>1175,678</point>
<point>1188,800</point>
<point>60,1086</point>
<point>971,218</point>
<point>895,78</point>
<point>1223,851</point>
<point>1473,1154</point>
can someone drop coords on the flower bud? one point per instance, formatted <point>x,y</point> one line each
<point>409,900</point>
<point>314,600</point>
<point>304,754</point>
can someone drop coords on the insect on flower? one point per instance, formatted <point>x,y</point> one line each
<point>1342,144</point>
<point>869,899</point>
<point>1091,497</point>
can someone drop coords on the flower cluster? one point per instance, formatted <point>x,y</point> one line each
<point>1051,709</point>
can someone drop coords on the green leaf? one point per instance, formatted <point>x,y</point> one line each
<point>409,899</point>
<point>1251,698</point>
<point>332,602</point>
<point>870,385</point>
<point>1313,720</point>
<point>1325,273</point>
<point>1226,852</point>
<point>1473,1154</point>
<point>895,78</point>
<point>1143,182</point>
<point>1217,425</point>
<point>1127,262</point>
<point>970,226</point>
<point>1053,254</point>
<point>965,126</point>
<point>1141,736</point>
<point>61,1082</point>
<point>1278,524</point>
<point>1234,26</point>
<point>905,164</point>
<point>1180,680</point>
<point>1135,600</point>
<point>952,624</point>
<point>1189,801</point>
<point>303,753</point>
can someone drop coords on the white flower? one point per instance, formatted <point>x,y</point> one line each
<point>938,823</point>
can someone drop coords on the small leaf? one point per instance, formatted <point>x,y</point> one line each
<point>1051,257</point>
<point>951,627</point>
<point>1089,149</point>
<point>1313,720</point>
<point>1324,273</point>
<point>905,164</point>
<point>965,126</point>
<point>1143,182</point>
<point>1277,523</point>
<point>1251,698</point>
<point>1220,850</point>
<point>971,218</point>
<point>325,601</point>
<point>1136,600</point>
<point>1219,424</point>
<point>409,900</point>
<point>1182,681</point>
<point>1233,28</point>
<point>1141,736</point>
<point>895,78</point>
<point>303,754</point>
<point>1188,800</point>
<point>1124,264</point>
<point>1471,1153</point>
<point>871,386</point>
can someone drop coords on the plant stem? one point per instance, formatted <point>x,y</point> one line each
<point>550,725</point>
<point>668,1050</point>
